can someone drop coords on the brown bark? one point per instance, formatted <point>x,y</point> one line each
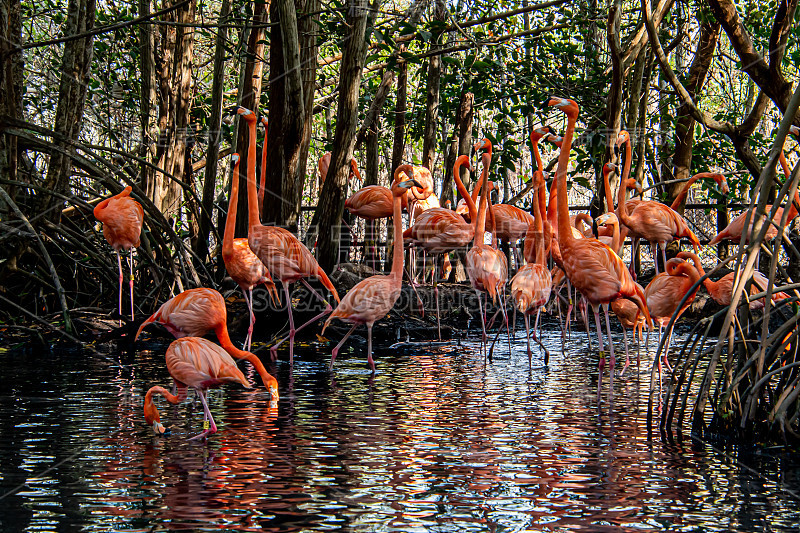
<point>250,98</point>
<point>11,66</point>
<point>684,127</point>
<point>75,64</point>
<point>174,72</point>
<point>148,38</point>
<point>447,181</point>
<point>398,146</point>
<point>214,133</point>
<point>432,97</point>
<point>613,103</point>
<point>330,209</point>
<point>465,116</point>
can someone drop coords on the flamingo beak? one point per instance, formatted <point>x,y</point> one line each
<point>410,183</point>
<point>794,130</point>
<point>159,429</point>
<point>547,101</point>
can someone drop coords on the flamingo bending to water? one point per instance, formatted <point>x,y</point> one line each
<point>201,365</point>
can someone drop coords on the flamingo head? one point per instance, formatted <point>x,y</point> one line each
<point>555,139</point>
<point>264,121</point>
<point>354,173</point>
<point>564,104</point>
<point>606,218</point>
<point>485,144</point>
<point>633,184</point>
<point>722,183</point>
<point>541,132</point>
<point>399,188</point>
<point>235,158</point>
<point>448,204</point>
<point>794,130</point>
<point>159,429</point>
<point>608,168</point>
<point>622,137</point>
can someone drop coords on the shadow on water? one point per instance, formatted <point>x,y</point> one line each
<point>434,441</point>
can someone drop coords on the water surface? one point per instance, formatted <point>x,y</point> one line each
<point>435,441</point>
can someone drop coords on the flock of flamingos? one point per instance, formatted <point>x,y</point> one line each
<point>592,265</point>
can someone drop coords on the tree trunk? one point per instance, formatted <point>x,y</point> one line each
<point>373,115</point>
<point>432,99</point>
<point>214,133</point>
<point>75,64</point>
<point>329,211</point>
<point>11,66</point>
<point>250,98</point>
<point>613,104</point>
<point>175,57</point>
<point>148,36</point>
<point>465,116</point>
<point>684,127</point>
<point>398,147</point>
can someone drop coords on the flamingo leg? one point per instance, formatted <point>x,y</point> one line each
<point>131,283</point>
<point>528,337</point>
<point>274,348</point>
<point>207,417</point>
<point>613,361</point>
<point>663,247</point>
<point>602,362</point>
<point>627,353</point>
<point>249,339</point>
<point>119,307</point>
<point>505,319</point>
<point>585,313</point>
<point>369,348</point>
<point>654,253</point>
<point>336,348</point>
<point>436,296</point>
<point>483,325</point>
<point>536,338</point>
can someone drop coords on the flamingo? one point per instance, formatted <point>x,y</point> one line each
<point>201,365</point>
<point>665,292</point>
<point>653,221</point>
<point>626,311</point>
<point>441,230</point>
<point>242,265</point>
<point>531,286</point>
<point>285,257</point>
<point>718,178</point>
<point>196,312</point>
<point>372,298</point>
<point>122,218</point>
<point>593,268</point>
<point>486,266</point>
<point>721,291</point>
<point>734,231</point>
<point>325,162</point>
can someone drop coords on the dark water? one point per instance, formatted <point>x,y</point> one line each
<point>435,442</point>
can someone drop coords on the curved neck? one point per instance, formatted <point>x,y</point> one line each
<point>788,173</point>
<point>263,180</point>
<point>150,411</point>
<point>685,190</point>
<point>615,240</point>
<point>538,232</point>
<point>552,204</point>
<point>609,196</point>
<point>233,207</point>
<point>626,171</point>
<point>482,179</point>
<point>252,197</point>
<point>480,221</point>
<point>564,231</point>
<point>397,246</point>
<point>462,190</point>
<point>225,341</point>
<point>536,154</point>
<point>622,213</point>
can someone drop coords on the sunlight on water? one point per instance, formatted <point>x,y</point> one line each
<point>436,440</point>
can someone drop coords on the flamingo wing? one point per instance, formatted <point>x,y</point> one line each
<point>369,300</point>
<point>200,363</point>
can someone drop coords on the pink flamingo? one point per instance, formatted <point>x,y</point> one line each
<point>196,312</point>
<point>593,268</point>
<point>202,365</point>
<point>531,286</point>
<point>285,257</point>
<point>372,298</point>
<point>242,265</point>
<point>122,218</point>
